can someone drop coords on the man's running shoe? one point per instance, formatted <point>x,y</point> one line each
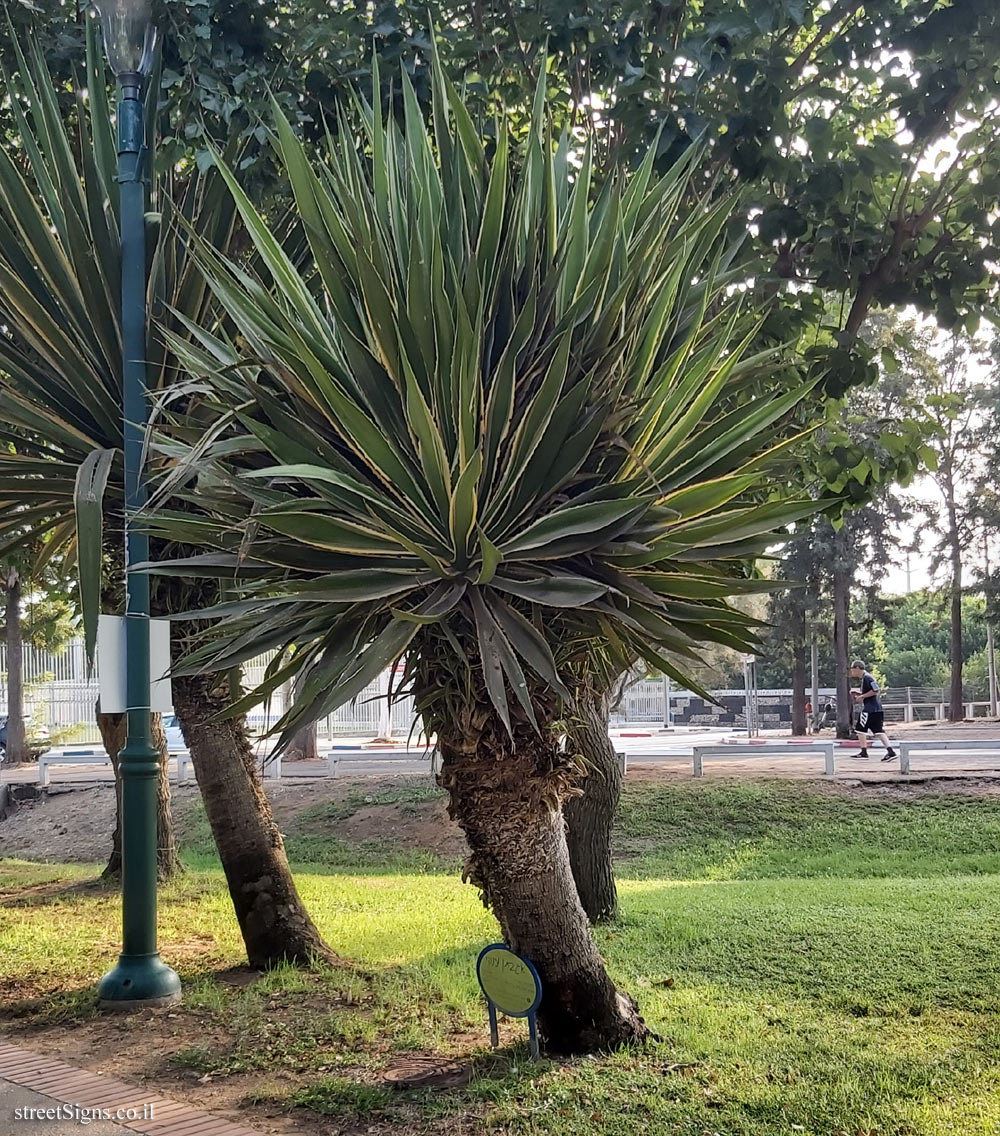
<point>862,756</point>
<point>890,755</point>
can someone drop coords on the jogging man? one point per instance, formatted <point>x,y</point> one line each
<point>871,719</point>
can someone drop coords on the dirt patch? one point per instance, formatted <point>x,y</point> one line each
<point>64,825</point>
<point>74,825</point>
<point>425,825</point>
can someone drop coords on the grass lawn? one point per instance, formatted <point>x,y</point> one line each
<point>817,961</point>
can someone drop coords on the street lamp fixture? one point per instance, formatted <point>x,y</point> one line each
<point>140,977</point>
<point>129,35</point>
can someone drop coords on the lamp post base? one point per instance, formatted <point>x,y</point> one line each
<point>137,981</point>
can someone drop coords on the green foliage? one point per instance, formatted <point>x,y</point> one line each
<point>48,621</point>
<point>503,429</point>
<point>906,639</point>
<point>801,101</point>
<point>61,472</point>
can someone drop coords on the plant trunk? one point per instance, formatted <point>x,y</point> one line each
<point>16,748</point>
<point>304,745</point>
<point>842,638</point>
<point>509,806</point>
<point>273,920</point>
<point>956,709</point>
<point>590,816</point>
<point>799,678</point>
<point>112,727</point>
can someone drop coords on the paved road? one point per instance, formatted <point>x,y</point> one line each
<point>361,760</point>
<point>644,746</point>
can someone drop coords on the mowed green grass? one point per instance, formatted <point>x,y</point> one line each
<point>814,962</point>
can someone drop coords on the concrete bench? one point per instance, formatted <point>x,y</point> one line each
<point>271,772</point>
<point>93,757</point>
<point>906,747</point>
<point>71,757</point>
<point>789,749</point>
<point>351,756</point>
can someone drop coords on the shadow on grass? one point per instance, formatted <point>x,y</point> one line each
<point>49,1007</point>
<point>38,895</point>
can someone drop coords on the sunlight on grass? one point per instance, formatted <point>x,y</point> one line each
<point>856,996</point>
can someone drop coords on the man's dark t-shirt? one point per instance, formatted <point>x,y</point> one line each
<point>869,687</point>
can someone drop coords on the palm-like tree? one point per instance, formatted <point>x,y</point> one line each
<point>478,432</point>
<point>61,470</point>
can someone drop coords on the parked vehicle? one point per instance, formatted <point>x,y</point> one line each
<point>37,739</point>
<point>175,737</point>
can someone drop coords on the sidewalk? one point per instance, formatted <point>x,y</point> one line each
<point>76,1101</point>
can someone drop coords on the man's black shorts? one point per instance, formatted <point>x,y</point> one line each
<point>871,721</point>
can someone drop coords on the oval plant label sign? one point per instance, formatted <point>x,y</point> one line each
<point>510,982</point>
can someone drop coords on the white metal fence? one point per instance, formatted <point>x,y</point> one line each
<point>61,697</point>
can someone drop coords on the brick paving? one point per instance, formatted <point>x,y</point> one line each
<point>30,1081</point>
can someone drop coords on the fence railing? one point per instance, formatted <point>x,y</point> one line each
<point>61,697</point>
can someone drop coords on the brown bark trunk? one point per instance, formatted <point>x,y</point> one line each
<point>842,637</point>
<point>304,745</point>
<point>508,805</point>
<point>112,727</point>
<point>956,709</point>
<point>799,678</point>
<point>16,749</point>
<point>590,816</point>
<point>273,920</point>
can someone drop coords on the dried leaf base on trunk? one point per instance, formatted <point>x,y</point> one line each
<point>273,920</point>
<point>590,816</point>
<point>509,806</point>
<point>112,727</point>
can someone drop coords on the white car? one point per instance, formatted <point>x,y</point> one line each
<point>175,738</point>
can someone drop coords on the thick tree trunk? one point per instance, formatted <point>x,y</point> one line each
<point>590,816</point>
<point>112,727</point>
<point>799,678</point>
<point>508,805</point>
<point>273,920</point>
<point>842,637</point>
<point>16,749</point>
<point>304,746</point>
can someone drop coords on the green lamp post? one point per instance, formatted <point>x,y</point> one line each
<point>141,977</point>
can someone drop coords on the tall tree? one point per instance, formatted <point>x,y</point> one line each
<point>802,102</point>
<point>30,573</point>
<point>15,750</point>
<point>949,378</point>
<point>486,443</point>
<point>61,473</point>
